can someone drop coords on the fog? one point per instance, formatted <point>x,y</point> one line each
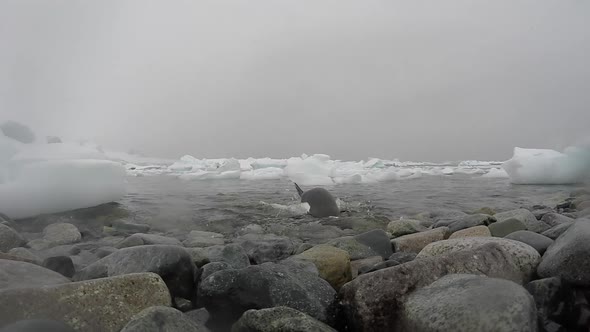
<point>415,80</point>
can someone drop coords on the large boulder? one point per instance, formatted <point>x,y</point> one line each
<point>556,231</point>
<point>282,319</point>
<point>172,263</point>
<point>471,221</point>
<point>568,256</point>
<point>60,264</point>
<point>17,274</point>
<point>466,303</point>
<point>553,219</point>
<point>102,305</point>
<point>526,217</point>
<point>554,299</point>
<point>507,226</point>
<point>525,256</point>
<point>160,318</point>
<point>404,227</point>
<point>25,254</point>
<point>232,254</point>
<point>537,241</point>
<point>228,294</point>
<point>140,239</point>
<point>364,264</point>
<point>9,238</point>
<point>262,248</point>
<point>333,264</point>
<point>372,301</point>
<point>368,244</point>
<point>416,242</point>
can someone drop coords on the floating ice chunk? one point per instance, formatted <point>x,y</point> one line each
<point>495,173</point>
<point>268,173</point>
<point>375,163</point>
<point>542,166</point>
<point>211,175</point>
<point>315,170</point>
<point>268,162</point>
<point>17,131</point>
<point>61,185</point>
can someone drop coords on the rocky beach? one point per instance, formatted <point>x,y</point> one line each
<point>93,269</point>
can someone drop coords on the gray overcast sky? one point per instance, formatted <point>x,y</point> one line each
<point>415,80</point>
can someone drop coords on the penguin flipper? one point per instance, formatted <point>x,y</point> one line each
<point>299,190</point>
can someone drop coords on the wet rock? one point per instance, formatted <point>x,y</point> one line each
<point>201,239</point>
<point>105,251</point>
<point>471,221</point>
<point>26,254</point>
<point>140,239</point>
<point>101,305</point>
<point>378,266</point>
<point>372,243</point>
<point>124,227</point>
<point>9,238</point>
<point>444,218</point>
<point>172,263</point>
<point>61,233</point>
<point>365,263</point>
<point>228,294</point>
<point>485,210</point>
<point>505,227</point>
<point>283,319</point>
<point>372,301</point>
<point>402,257</point>
<point>556,231</point>
<point>462,303</point>
<point>526,217</point>
<point>198,316</point>
<point>182,304</point>
<point>568,256</point>
<point>404,227</point>
<point>553,219</point>
<point>540,210</point>
<point>537,241</point>
<point>160,318</point>
<point>12,257</point>
<point>552,297</point>
<point>477,231</point>
<point>16,274</point>
<point>524,256</point>
<point>60,264</point>
<point>316,232</point>
<point>333,264</point>
<point>210,268</point>
<point>299,264</point>
<point>416,242</point>
<point>39,244</point>
<point>267,247</point>
<point>233,254</point>
<point>302,247</point>
<point>37,325</point>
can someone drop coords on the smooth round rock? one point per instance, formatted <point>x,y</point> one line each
<point>556,231</point>
<point>282,319</point>
<point>333,264</point>
<point>416,242</point>
<point>262,248</point>
<point>467,303</point>
<point>26,254</point>
<point>140,239</point>
<point>157,319</point>
<point>62,233</point>
<point>60,264</point>
<point>526,217</point>
<point>505,227</point>
<point>471,221</point>
<point>9,238</point>
<point>477,231</point>
<point>404,227</point>
<point>537,241</point>
<point>16,274</point>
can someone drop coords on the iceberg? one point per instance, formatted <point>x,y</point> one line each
<point>544,166</point>
<point>50,178</point>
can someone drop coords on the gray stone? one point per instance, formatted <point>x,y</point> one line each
<point>103,305</point>
<point>60,264</point>
<point>303,247</point>
<point>404,227</point>
<point>552,297</point>
<point>26,254</point>
<point>402,257</point>
<point>505,227</point>
<point>553,219</point>
<point>198,316</point>
<point>471,221</point>
<point>333,264</point>
<point>228,294</point>
<point>210,268</point>
<point>9,239</point>
<point>267,247</point>
<point>466,303</point>
<point>16,274</point>
<point>537,241</point>
<point>282,319</point>
<point>568,256</point>
<point>105,251</point>
<point>12,257</point>
<point>201,239</point>
<point>157,319</point>
<point>477,231</point>
<point>378,266</point>
<point>372,301</point>
<point>172,263</point>
<point>526,217</point>
<point>584,213</point>
<point>416,242</point>
<point>125,227</point>
<point>233,254</point>
<point>443,218</point>
<point>523,255</point>
<point>366,263</point>
<point>37,325</point>
<point>61,233</point>
<point>368,244</point>
<point>300,264</point>
<point>140,239</point>
<point>556,231</point>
